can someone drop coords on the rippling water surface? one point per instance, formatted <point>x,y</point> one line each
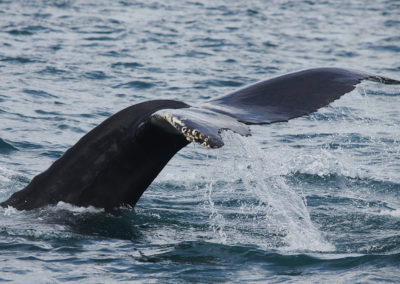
<point>313,200</point>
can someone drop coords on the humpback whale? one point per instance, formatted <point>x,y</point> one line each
<point>113,164</point>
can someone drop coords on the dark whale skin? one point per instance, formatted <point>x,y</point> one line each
<point>112,165</point>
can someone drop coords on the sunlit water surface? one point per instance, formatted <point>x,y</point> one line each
<point>313,200</point>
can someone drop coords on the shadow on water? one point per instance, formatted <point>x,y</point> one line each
<point>121,224</point>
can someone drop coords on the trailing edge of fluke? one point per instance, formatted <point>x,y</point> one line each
<point>113,164</point>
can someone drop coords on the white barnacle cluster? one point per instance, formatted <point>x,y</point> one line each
<point>173,120</point>
<point>195,135</point>
<point>192,135</point>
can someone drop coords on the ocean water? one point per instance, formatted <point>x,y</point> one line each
<point>314,200</point>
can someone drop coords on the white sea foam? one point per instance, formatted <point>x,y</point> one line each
<point>76,209</point>
<point>393,213</point>
<point>9,211</point>
<point>5,174</point>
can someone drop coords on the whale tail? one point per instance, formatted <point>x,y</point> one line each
<point>113,164</point>
<point>275,100</point>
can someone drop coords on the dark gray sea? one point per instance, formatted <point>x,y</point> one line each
<point>314,200</point>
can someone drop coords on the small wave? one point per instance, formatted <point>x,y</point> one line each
<point>96,75</point>
<point>392,23</point>
<point>52,113</point>
<point>347,54</point>
<point>72,128</point>
<point>39,93</point>
<point>19,32</point>
<point>129,65</point>
<point>391,48</point>
<point>387,92</point>
<point>52,154</point>
<point>193,54</point>
<point>100,38</point>
<point>230,60</point>
<point>6,148</point>
<point>210,254</point>
<point>269,44</point>
<point>217,83</point>
<point>19,59</point>
<point>392,39</point>
<point>51,71</point>
<point>136,85</point>
<point>28,31</point>
<point>27,145</point>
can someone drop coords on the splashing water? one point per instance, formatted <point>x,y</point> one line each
<point>264,198</point>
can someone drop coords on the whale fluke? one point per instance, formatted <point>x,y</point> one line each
<point>110,166</point>
<point>113,164</point>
